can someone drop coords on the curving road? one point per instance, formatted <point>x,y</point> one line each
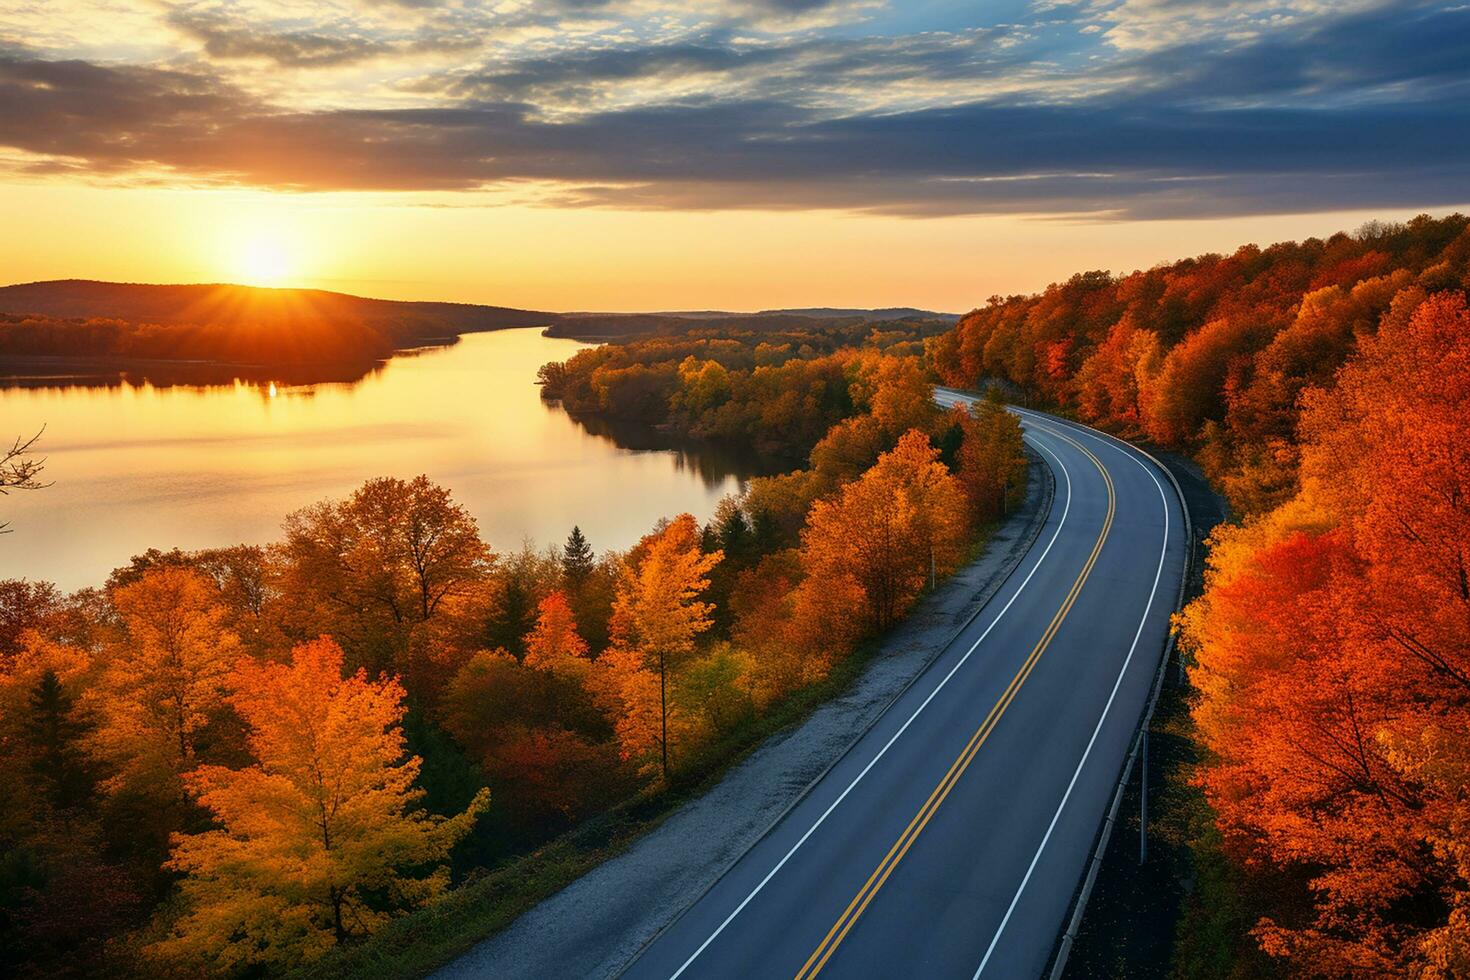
<point>949,840</point>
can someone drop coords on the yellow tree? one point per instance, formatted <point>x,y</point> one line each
<point>166,677</point>
<point>658,614</point>
<point>319,840</point>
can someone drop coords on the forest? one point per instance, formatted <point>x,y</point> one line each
<point>779,392</point>
<point>248,760</point>
<point>1324,387</point>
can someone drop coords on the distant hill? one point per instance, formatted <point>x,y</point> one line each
<point>221,304</point>
<point>283,327</point>
<point>890,313</point>
<point>240,324</point>
<point>617,325</point>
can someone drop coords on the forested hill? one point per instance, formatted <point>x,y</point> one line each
<point>621,325</point>
<point>277,327</point>
<point>226,304</point>
<point>226,322</point>
<point>1211,354</point>
<point>1325,385</point>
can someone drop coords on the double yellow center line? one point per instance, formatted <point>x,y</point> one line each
<point>916,826</point>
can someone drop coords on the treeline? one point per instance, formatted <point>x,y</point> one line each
<point>237,760</point>
<point>268,343</point>
<point>1332,658</point>
<point>779,393</point>
<point>1325,386</point>
<point>1211,354</point>
<point>249,324</point>
<point>284,327</point>
<point>612,325</point>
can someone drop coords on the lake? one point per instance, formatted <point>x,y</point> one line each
<point>138,465</point>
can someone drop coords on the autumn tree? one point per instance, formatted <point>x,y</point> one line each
<point>23,606</point>
<point>882,535</point>
<point>370,569</point>
<point>554,643</point>
<point>319,840</point>
<point>791,630</point>
<point>538,736</point>
<point>657,616</point>
<point>992,459</point>
<point>1334,667</point>
<point>164,679</point>
<point>63,895</point>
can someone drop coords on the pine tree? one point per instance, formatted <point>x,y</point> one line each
<point>577,558</point>
<point>56,732</point>
<point>514,619</point>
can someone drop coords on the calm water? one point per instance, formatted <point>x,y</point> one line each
<point>139,466</point>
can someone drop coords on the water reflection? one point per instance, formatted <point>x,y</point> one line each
<point>714,463</point>
<point>80,372</point>
<point>192,458</point>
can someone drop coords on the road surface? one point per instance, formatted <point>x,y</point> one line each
<point>948,842</point>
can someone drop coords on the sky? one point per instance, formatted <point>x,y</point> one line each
<point>732,154</point>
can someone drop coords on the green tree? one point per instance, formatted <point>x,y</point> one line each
<point>577,559</point>
<point>57,731</point>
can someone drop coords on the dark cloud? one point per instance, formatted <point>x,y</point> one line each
<point>227,37</point>
<point>577,73</point>
<point>1396,53</point>
<point>1356,125</point>
<point>799,71</point>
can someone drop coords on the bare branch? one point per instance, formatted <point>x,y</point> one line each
<point>20,468</point>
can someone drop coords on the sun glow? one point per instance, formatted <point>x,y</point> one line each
<point>262,259</point>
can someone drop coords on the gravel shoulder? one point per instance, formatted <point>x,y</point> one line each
<point>598,924</point>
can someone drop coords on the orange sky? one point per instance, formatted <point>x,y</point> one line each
<point>414,246</point>
<point>735,154</point>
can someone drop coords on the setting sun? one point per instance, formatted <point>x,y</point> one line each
<point>739,488</point>
<point>261,260</point>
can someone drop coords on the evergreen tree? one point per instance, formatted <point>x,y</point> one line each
<point>515,618</point>
<point>56,729</point>
<point>577,558</point>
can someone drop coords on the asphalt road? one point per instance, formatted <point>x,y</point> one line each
<point>948,842</point>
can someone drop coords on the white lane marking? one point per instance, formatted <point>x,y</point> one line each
<point>1036,858</point>
<point>1067,476</point>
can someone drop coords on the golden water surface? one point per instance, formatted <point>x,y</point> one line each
<point>139,466</point>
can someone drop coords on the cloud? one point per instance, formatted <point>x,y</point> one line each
<point>229,37</point>
<point>1365,110</point>
<point>936,67</point>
